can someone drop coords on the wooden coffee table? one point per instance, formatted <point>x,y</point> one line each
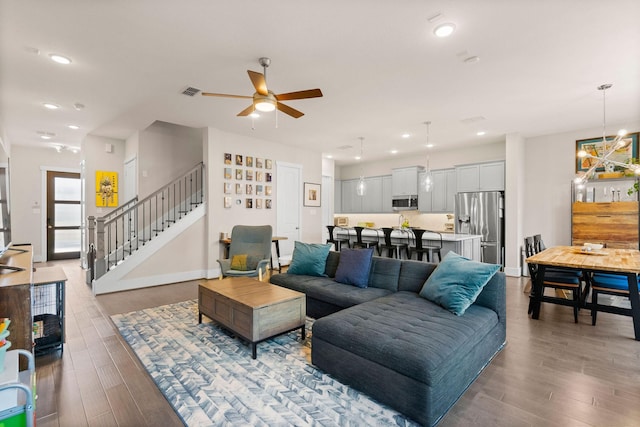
<point>254,310</point>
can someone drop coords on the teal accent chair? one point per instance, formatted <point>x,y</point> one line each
<point>252,240</point>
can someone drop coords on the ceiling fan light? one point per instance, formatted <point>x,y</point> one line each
<point>265,105</point>
<point>444,30</point>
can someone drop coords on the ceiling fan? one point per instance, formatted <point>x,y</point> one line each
<point>264,99</point>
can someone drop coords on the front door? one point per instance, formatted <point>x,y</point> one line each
<point>63,215</point>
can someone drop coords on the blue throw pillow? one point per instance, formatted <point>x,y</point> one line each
<point>309,259</point>
<point>456,282</point>
<point>354,267</point>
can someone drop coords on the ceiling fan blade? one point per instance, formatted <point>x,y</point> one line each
<point>224,95</point>
<point>288,110</point>
<point>259,82</point>
<point>303,94</point>
<point>250,109</point>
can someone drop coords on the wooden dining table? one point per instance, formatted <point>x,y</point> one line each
<point>625,262</point>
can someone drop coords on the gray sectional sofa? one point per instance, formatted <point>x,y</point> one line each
<point>396,346</point>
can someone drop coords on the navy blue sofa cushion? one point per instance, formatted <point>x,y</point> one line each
<point>354,267</point>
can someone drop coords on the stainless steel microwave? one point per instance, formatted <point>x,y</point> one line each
<point>404,203</point>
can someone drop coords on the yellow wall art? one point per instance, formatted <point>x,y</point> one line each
<point>106,189</point>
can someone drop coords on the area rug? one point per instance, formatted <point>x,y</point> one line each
<point>210,379</point>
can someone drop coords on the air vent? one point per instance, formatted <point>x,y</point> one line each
<point>190,91</point>
<point>345,147</point>
<point>471,120</point>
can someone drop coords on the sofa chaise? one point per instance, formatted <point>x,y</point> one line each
<point>390,342</point>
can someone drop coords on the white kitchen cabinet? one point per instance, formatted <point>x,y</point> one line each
<point>480,177</point>
<point>337,196</point>
<point>424,198</point>
<point>405,181</point>
<point>444,190</point>
<point>372,200</point>
<point>351,202</point>
<point>387,194</point>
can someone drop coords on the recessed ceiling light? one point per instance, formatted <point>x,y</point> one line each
<point>481,133</point>
<point>357,157</point>
<point>430,145</point>
<point>51,106</point>
<point>74,127</point>
<point>444,30</point>
<point>329,156</point>
<point>406,135</point>
<point>394,151</point>
<point>45,136</point>
<point>59,59</point>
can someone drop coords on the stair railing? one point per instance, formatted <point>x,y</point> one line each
<point>120,233</point>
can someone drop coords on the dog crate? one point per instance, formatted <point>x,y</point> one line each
<point>48,309</point>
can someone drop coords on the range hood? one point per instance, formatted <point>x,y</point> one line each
<point>405,203</point>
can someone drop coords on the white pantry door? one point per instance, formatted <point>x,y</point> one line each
<point>288,205</point>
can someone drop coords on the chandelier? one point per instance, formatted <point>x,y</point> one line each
<point>609,147</point>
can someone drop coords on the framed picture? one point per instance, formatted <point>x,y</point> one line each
<point>227,173</point>
<point>239,174</point>
<point>227,188</point>
<point>311,194</point>
<point>249,189</point>
<point>267,203</point>
<point>248,175</point>
<point>227,202</point>
<point>267,164</point>
<point>259,190</point>
<point>258,176</point>
<point>258,203</point>
<point>249,203</point>
<point>597,147</point>
<point>238,188</point>
<point>268,177</point>
<point>267,190</point>
<point>259,162</point>
<point>227,158</point>
<point>249,162</point>
<point>239,159</point>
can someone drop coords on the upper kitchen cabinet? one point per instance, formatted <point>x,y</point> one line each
<point>424,198</point>
<point>444,190</point>
<point>337,196</point>
<point>377,198</point>
<point>351,202</point>
<point>405,181</point>
<point>480,177</point>
<point>372,199</point>
<point>387,194</point>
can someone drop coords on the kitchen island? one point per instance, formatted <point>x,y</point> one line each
<point>467,245</point>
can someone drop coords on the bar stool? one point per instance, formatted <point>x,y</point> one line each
<point>392,248</point>
<point>359,243</point>
<point>337,242</point>
<point>433,249</point>
<point>417,234</point>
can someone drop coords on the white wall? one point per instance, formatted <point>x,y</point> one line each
<point>549,170</point>
<point>28,192</point>
<point>165,152</point>
<point>220,219</point>
<point>437,160</point>
<point>96,158</point>
<point>514,202</point>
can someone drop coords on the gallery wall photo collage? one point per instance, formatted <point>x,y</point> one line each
<point>249,180</point>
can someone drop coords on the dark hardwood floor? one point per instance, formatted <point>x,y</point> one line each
<point>552,371</point>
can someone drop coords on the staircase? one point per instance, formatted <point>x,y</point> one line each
<point>116,236</point>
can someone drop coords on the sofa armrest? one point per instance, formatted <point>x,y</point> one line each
<point>494,296</point>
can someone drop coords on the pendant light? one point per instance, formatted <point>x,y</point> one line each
<point>428,179</point>
<point>361,187</point>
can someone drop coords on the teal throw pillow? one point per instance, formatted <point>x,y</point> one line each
<point>456,282</point>
<point>309,259</point>
<point>354,267</point>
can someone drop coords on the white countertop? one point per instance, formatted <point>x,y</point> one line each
<point>399,234</point>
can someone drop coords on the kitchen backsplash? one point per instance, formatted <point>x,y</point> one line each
<point>434,222</point>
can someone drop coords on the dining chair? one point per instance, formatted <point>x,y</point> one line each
<point>392,248</point>
<point>359,243</point>
<point>565,280</point>
<point>249,251</point>
<point>609,284</point>
<point>430,249</point>
<point>539,246</point>
<point>336,241</point>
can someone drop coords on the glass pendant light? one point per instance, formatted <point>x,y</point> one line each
<point>361,187</point>
<point>428,179</point>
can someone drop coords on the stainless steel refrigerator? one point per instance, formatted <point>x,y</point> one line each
<point>483,213</point>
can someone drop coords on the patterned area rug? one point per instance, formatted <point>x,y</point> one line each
<point>210,379</point>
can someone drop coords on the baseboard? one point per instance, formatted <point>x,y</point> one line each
<point>512,271</point>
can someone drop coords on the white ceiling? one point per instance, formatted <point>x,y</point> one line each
<point>381,69</point>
